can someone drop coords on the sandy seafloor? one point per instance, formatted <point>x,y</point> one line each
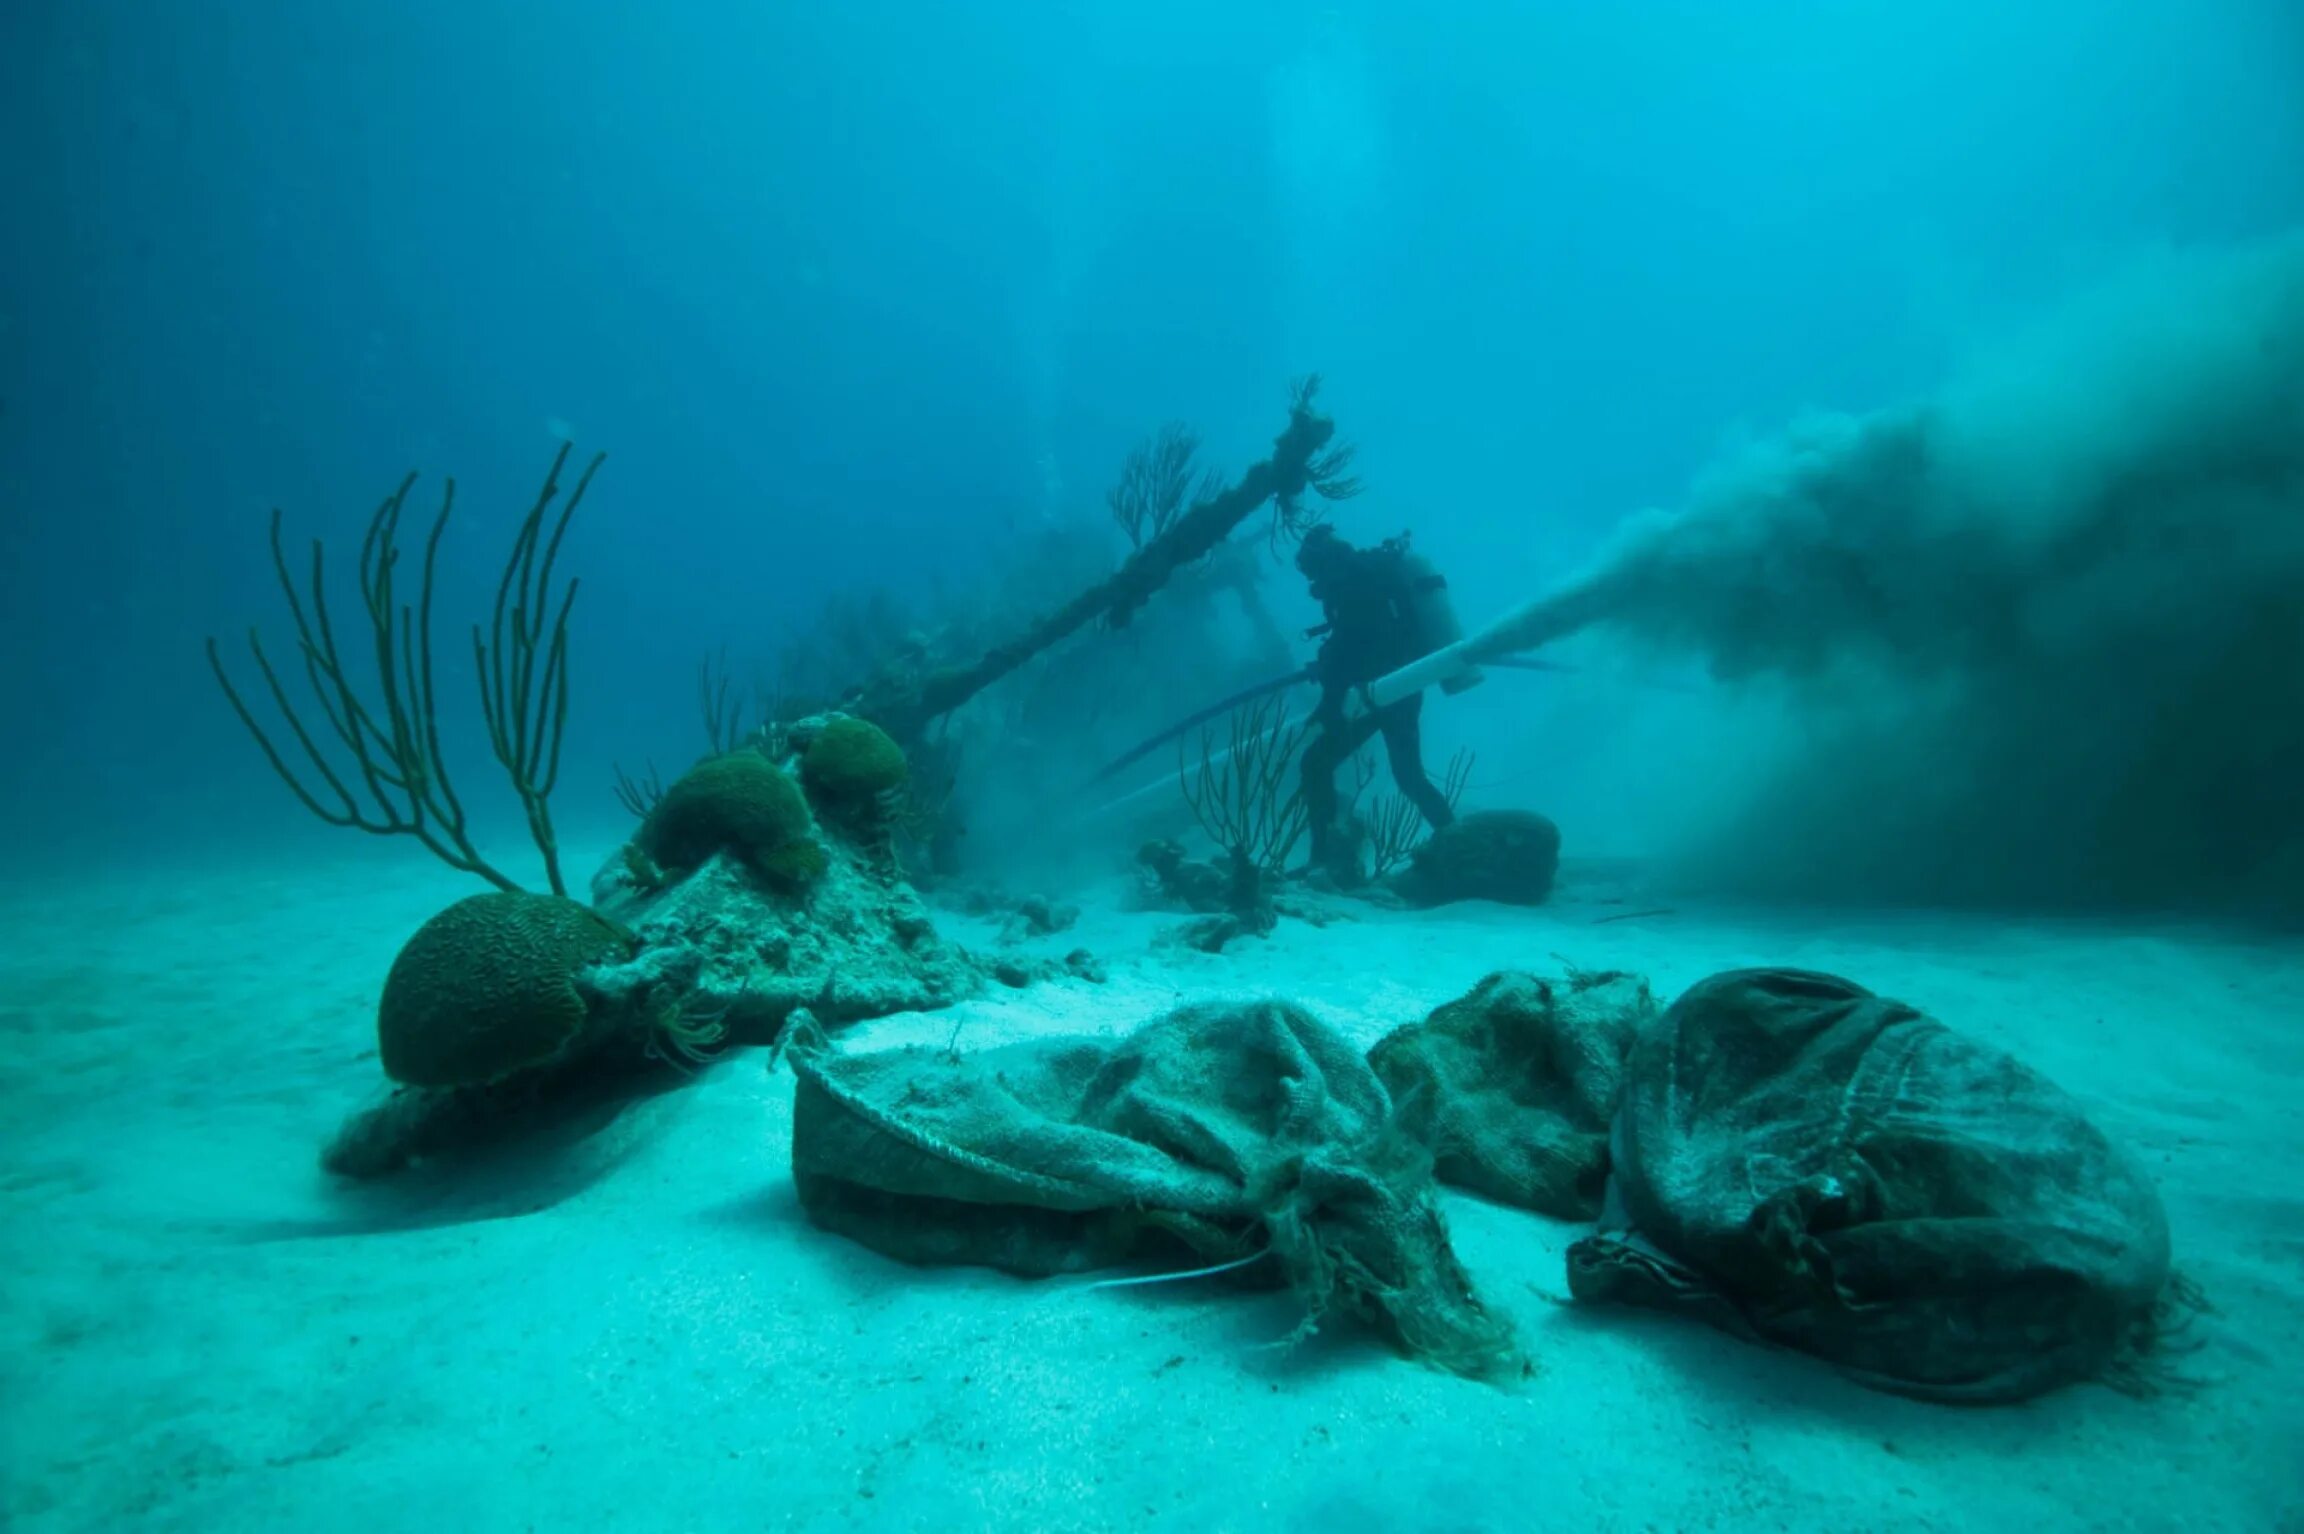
<point>644,1332</point>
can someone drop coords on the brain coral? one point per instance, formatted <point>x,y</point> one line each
<point>741,803</point>
<point>486,989</point>
<point>853,764</point>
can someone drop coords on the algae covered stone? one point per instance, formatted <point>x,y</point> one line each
<point>741,803</point>
<point>853,766</point>
<point>1510,856</point>
<point>486,989</point>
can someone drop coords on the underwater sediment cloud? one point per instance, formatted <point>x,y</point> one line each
<point>2039,640</point>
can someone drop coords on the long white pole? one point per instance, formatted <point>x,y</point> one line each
<point>1527,627</point>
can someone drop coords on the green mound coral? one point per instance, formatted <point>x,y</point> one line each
<point>853,767</point>
<point>740,803</point>
<point>486,989</point>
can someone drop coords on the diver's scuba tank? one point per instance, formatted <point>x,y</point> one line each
<point>1430,612</point>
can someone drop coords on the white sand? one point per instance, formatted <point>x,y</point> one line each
<point>645,1334</point>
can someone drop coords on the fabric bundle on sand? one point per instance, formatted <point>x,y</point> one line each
<point>1513,1084</point>
<point>1782,1154</point>
<point>1800,1161</point>
<point>1216,1134</point>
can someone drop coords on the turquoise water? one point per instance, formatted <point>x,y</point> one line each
<point>1863,449</point>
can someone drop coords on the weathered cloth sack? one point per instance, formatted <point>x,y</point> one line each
<point>1205,1137</point>
<point>1803,1162</point>
<point>1513,1085</point>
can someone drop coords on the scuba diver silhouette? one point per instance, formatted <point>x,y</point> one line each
<point>1386,607</point>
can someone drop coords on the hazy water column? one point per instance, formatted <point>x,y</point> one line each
<point>1329,160</point>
